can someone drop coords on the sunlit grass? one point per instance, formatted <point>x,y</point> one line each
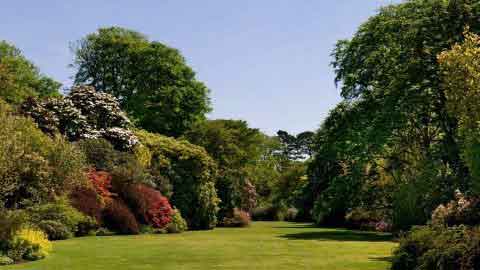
<point>264,245</point>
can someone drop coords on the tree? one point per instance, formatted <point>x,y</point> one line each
<point>296,147</point>
<point>460,68</point>
<point>20,79</point>
<point>154,84</point>
<point>233,145</point>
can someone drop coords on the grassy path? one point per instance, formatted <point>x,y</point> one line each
<point>264,245</point>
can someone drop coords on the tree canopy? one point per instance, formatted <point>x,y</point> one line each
<point>153,82</point>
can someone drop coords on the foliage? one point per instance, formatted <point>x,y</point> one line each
<point>33,167</point>
<point>153,82</point>
<point>463,210</point>
<point>461,77</point>
<point>149,205</point>
<point>101,182</point>
<point>4,260</point>
<point>86,200</point>
<point>59,211</point>
<point>117,217</point>
<point>29,244</point>
<point>426,248</point>
<point>297,147</point>
<point>55,230</point>
<point>192,174</point>
<point>234,146</point>
<point>239,219</point>
<point>178,224</point>
<point>83,114</point>
<point>20,79</point>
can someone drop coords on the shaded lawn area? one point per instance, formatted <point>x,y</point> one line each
<point>264,245</point>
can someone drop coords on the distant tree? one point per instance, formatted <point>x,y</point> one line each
<point>233,145</point>
<point>20,79</point>
<point>296,147</point>
<point>154,84</point>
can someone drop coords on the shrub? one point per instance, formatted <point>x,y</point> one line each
<point>104,232</point>
<point>463,210</point>
<point>291,214</point>
<point>426,248</point>
<point>102,182</point>
<point>55,230</point>
<point>268,213</point>
<point>87,226</point>
<point>178,224</point>
<point>149,205</point>
<point>60,211</point>
<point>117,217</point>
<point>4,260</point>
<point>34,168</point>
<point>192,173</point>
<point>99,153</point>
<point>87,201</point>
<point>29,244</point>
<point>363,219</point>
<point>239,219</point>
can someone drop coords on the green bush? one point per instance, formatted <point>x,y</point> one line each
<point>60,211</point>
<point>192,173</point>
<point>55,230</point>
<point>34,167</point>
<point>178,224</point>
<point>28,244</point>
<point>432,248</point>
<point>4,260</point>
<point>104,232</point>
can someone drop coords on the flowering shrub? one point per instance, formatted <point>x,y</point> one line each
<point>239,219</point>
<point>178,224</point>
<point>102,182</point>
<point>83,114</point>
<point>118,217</point>
<point>360,218</point>
<point>150,206</point>
<point>462,210</point>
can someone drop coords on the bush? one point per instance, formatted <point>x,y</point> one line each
<point>291,214</point>
<point>4,260</point>
<point>239,219</point>
<point>192,173</point>
<point>29,244</point>
<point>370,220</point>
<point>55,230</point>
<point>87,201</point>
<point>104,232</point>
<point>34,168</point>
<point>83,114</point>
<point>87,226</point>
<point>149,205</point>
<point>431,248</point>
<point>60,211</point>
<point>99,153</point>
<point>117,217</point>
<point>268,213</point>
<point>178,224</point>
<point>463,210</point>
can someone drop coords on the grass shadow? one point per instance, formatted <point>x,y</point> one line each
<point>382,259</point>
<point>340,235</point>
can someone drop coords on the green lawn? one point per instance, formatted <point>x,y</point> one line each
<point>264,245</point>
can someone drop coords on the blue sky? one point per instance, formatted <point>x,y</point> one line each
<point>265,61</point>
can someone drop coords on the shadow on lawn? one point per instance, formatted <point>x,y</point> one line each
<point>339,235</point>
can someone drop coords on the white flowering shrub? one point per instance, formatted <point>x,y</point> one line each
<point>83,114</point>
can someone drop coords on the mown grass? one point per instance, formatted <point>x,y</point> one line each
<point>264,245</point>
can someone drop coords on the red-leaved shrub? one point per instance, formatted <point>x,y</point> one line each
<point>239,218</point>
<point>149,205</point>
<point>87,201</point>
<point>102,182</point>
<point>118,217</point>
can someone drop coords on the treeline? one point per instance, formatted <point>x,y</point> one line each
<point>402,145</point>
<point>128,150</point>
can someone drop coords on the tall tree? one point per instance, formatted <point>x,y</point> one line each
<point>152,81</point>
<point>20,79</point>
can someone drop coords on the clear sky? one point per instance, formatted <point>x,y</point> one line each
<point>265,61</point>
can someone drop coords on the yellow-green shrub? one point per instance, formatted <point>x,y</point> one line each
<point>29,244</point>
